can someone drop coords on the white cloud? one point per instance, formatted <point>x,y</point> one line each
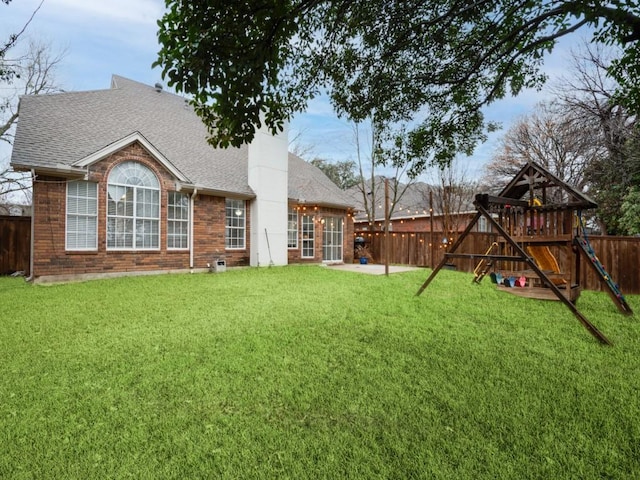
<point>100,37</point>
<point>79,22</point>
<point>119,36</point>
<point>320,105</point>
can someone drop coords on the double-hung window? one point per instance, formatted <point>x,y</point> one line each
<point>82,216</point>
<point>235,224</point>
<point>308,237</point>
<point>133,208</point>
<point>292,228</point>
<point>177,221</point>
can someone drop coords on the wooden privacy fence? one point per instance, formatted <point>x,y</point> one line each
<point>619,255</point>
<point>15,242</point>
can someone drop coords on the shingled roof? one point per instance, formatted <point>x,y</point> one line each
<point>308,184</point>
<point>533,177</point>
<point>63,130</point>
<point>413,200</point>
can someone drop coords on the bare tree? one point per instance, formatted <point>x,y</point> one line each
<point>453,194</point>
<point>586,137</point>
<point>387,150</point>
<point>588,95</point>
<point>33,73</point>
<point>366,186</point>
<point>299,147</point>
<point>551,137</point>
<point>15,187</point>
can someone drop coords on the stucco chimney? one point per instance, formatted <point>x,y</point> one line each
<point>268,177</point>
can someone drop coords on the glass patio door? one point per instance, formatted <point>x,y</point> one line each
<point>332,239</point>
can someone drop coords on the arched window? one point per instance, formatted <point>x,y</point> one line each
<point>133,207</point>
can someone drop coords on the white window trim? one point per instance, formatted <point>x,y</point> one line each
<point>244,227</point>
<point>327,231</point>
<point>66,220</point>
<point>187,221</point>
<point>312,239</point>
<point>159,219</point>
<point>293,210</point>
<point>483,225</point>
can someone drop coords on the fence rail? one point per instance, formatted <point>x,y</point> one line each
<point>15,241</point>
<point>619,255</point>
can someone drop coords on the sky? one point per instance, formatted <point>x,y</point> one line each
<point>102,38</point>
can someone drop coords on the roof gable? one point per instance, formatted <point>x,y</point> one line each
<point>66,133</point>
<point>124,142</point>
<point>59,131</point>
<point>533,177</point>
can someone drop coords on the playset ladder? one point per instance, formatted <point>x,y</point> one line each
<point>522,257</point>
<point>613,288</point>
<point>484,266</point>
<point>483,273</point>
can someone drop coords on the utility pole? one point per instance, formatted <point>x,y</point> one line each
<point>387,247</point>
<point>432,247</point>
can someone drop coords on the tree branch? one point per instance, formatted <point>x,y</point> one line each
<point>13,38</point>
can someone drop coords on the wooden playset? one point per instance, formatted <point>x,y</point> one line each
<point>538,219</point>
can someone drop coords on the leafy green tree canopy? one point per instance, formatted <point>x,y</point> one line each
<point>435,63</point>
<point>630,219</point>
<point>341,173</point>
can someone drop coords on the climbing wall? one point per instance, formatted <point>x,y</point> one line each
<point>614,289</point>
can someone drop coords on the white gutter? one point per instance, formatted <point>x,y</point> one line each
<point>192,201</point>
<point>184,187</point>
<point>59,169</point>
<point>33,223</point>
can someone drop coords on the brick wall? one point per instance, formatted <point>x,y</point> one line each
<point>318,213</point>
<point>51,259</point>
<point>209,231</point>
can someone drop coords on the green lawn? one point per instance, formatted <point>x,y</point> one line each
<point>306,372</point>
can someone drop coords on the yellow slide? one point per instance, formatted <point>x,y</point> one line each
<point>546,262</point>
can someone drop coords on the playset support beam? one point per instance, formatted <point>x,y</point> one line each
<point>523,257</point>
<point>454,247</point>
<point>526,258</point>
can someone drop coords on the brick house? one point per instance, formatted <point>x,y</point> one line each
<point>124,182</point>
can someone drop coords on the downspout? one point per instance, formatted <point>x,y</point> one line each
<point>192,202</point>
<point>32,239</point>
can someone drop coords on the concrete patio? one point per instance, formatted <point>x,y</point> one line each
<point>371,269</point>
